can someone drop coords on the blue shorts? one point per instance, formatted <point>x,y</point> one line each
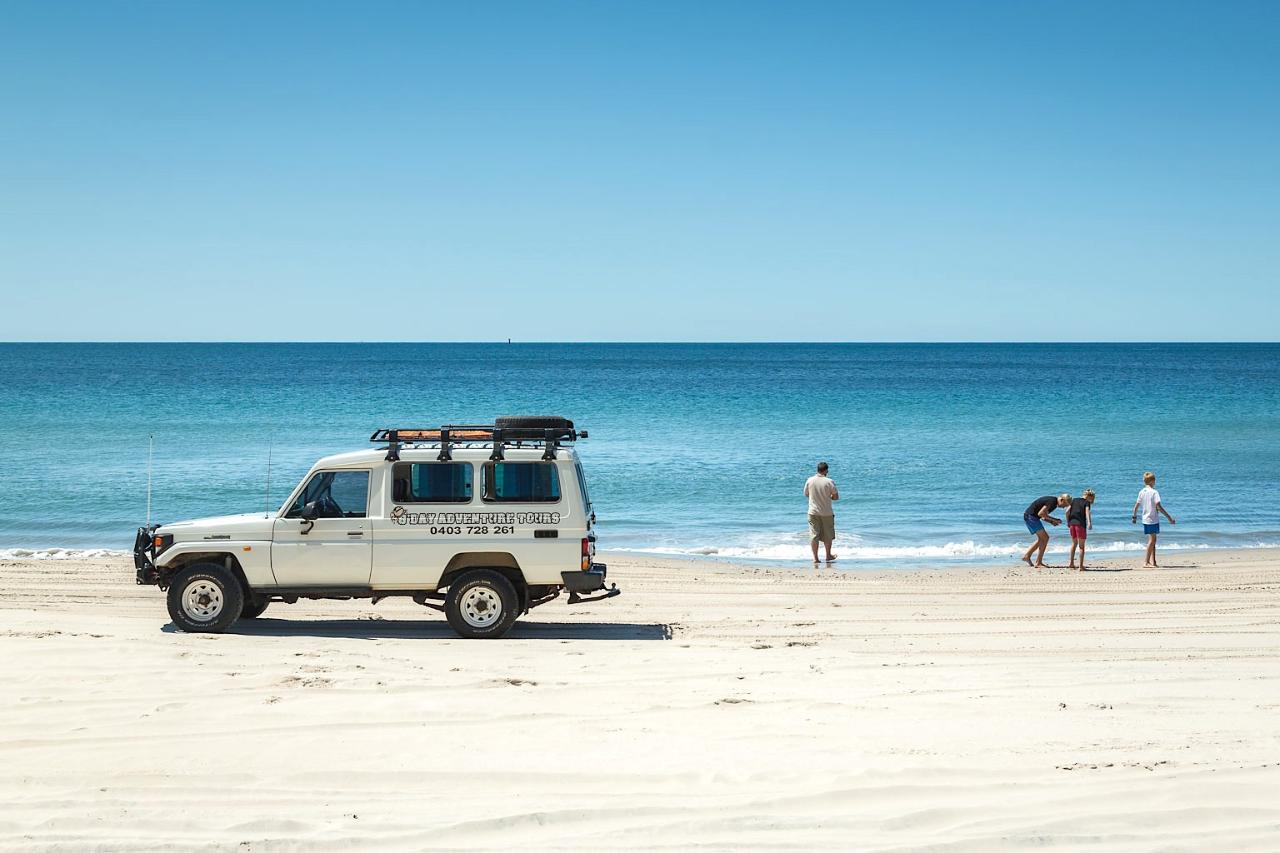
<point>1148,529</point>
<point>1034,524</point>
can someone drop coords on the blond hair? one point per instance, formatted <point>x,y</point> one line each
<point>1088,494</point>
<point>1065,496</point>
<point>1148,478</point>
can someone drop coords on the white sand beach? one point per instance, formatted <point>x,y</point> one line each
<point>711,706</point>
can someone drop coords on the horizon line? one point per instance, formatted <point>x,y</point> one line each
<point>512,342</point>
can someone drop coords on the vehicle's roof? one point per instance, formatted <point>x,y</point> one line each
<point>377,456</point>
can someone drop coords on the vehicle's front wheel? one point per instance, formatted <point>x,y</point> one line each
<point>205,598</point>
<point>481,604</point>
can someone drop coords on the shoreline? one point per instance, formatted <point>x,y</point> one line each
<point>1186,559</point>
<point>939,556</point>
<point>1107,560</point>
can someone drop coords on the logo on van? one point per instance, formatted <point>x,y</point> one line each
<point>400,515</point>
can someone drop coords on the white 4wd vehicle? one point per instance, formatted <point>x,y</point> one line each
<point>482,522</point>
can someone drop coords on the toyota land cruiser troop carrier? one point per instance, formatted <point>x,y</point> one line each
<point>480,522</point>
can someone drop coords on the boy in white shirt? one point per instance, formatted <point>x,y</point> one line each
<point>1149,502</point>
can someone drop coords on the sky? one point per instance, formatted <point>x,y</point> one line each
<point>639,171</point>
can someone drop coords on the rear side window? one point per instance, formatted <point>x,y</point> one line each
<point>521,482</point>
<point>431,482</point>
<point>582,486</point>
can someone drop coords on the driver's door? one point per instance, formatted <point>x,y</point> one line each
<point>335,549</point>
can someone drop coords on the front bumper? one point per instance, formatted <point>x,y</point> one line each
<point>591,580</point>
<point>144,554</point>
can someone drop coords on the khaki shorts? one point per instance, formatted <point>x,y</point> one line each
<point>822,528</point>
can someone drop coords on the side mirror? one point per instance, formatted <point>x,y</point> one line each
<point>311,511</point>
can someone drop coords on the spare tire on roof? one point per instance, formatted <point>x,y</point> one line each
<point>533,421</point>
<point>531,426</point>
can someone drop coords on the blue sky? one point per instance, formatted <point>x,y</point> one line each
<point>639,171</point>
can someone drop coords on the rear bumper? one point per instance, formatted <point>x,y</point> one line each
<point>588,581</point>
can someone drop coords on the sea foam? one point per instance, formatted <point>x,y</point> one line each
<point>966,550</point>
<point>58,553</point>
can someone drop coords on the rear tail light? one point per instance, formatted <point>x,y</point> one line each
<point>586,554</point>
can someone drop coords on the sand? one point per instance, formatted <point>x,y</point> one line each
<point>711,706</point>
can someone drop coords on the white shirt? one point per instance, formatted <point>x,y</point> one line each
<point>1147,500</point>
<point>819,489</point>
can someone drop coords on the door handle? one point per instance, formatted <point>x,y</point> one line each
<point>355,532</point>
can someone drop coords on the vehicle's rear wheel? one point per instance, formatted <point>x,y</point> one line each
<point>481,604</point>
<point>205,598</point>
<point>253,607</point>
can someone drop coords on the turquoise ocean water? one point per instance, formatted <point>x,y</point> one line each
<point>698,449</point>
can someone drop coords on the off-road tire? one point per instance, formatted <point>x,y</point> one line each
<point>532,422</point>
<point>530,426</point>
<point>253,607</point>
<point>205,590</point>
<point>481,605</point>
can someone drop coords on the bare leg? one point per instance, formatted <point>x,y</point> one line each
<point>1152,548</point>
<point>1042,542</point>
<point>1026,558</point>
<point>814,544</point>
<point>830,556</point>
<point>1082,555</point>
<point>1071,558</point>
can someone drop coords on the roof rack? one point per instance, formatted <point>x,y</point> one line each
<point>500,437</point>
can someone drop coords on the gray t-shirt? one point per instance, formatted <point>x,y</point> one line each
<point>819,489</point>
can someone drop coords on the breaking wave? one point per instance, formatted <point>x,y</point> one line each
<point>966,550</point>
<point>849,548</point>
<point>59,553</point>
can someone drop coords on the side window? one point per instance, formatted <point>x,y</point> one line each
<point>336,494</point>
<point>521,482</point>
<point>431,482</point>
<point>582,486</point>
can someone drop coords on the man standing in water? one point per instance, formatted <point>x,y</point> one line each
<point>821,491</point>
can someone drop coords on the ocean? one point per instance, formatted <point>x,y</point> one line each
<point>695,449</point>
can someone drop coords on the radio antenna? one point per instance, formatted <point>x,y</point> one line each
<point>151,440</point>
<point>268,476</point>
